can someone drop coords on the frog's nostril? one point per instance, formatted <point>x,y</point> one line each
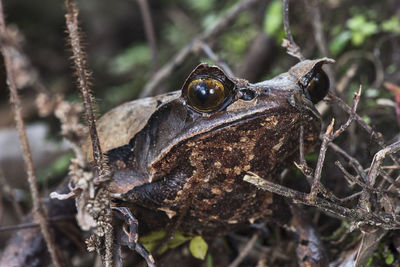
<point>247,94</point>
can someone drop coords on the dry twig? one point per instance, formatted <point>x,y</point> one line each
<point>38,208</point>
<point>245,251</point>
<point>376,136</point>
<point>149,28</point>
<point>384,221</point>
<point>99,206</point>
<point>327,138</point>
<point>292,48</point>
<point>32,224</point>
<point>210,53</point>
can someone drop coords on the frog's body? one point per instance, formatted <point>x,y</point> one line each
<point>173,163</point>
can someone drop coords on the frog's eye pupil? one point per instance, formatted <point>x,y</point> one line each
<point>206,94</point>
<point>202,92</point>
<point>318,87</point>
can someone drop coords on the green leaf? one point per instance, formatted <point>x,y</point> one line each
<point>198,247</point>
<point>153,236</point>
<point>151,240</point>
<point>389,258</point>
<point>369,263</point>
<point>361,29</point>
<point>177,240</point>
<point>366,119</point>
<point>339,42</point>
<point>273,18</point>
<point>357,38</point>
<point>391,25</point>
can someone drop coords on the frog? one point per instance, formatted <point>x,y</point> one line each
<point>179,159</point>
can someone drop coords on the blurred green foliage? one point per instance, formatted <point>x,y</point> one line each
<point>197,246</point>
<point>359,28</point>
<point>201,6</point>
<point>137,54</point>
<point>56,170</point>
<point>273,21</point>
<point>153,239</point>
<point>392,25</point>
<point>381,257</point>
<point>234,44</point>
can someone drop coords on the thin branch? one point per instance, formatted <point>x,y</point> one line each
<point>166,70</point>
<point>346,78</point>
<point>307,171</point>
<point>318,169</point>
<point>301,146</point>
<point>365,201</point>
<point>316,21</point>
<point>377,137</point>
<point>84,77</point>
<point>384,221</point>
<point>22,226</point>
<point>292,48</point>
<point>38,208</point>
<point>351,179</point>
<point>207,35</point>
<point>315,15</point>
<point>103,214</point>
<point>210,53</point>
<point>353,114</point>
<point>150,35</point>
<point>353,162</point>
<point>7,190</point>
<point>328,137</point>
<point>351,197</point>
<point>245,251</point>
<point>354,180</point>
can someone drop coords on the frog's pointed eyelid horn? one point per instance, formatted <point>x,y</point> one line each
<point>312,79</point>
<point>301,69</point>
<point>205,70</point>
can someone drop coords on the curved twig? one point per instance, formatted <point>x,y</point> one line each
<point>292,48</point>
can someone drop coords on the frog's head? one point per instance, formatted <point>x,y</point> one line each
<point>209,90</point>
<point>215,106</point>
<point>226,112</point>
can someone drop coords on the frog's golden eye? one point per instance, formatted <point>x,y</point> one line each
<point>207,94</point>
<point>318,87</point>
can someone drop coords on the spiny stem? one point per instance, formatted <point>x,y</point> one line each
<point>104,217</point>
